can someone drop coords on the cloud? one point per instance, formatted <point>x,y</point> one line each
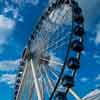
<point>7,66</point>
<point>23,2</point>
<point>91,12</point>
<point>15,7</point>
<point>84,79</point>
<point>7,8</point>
<point>6,23</point>
<point>21,19</point>
<point>97,85</point>
<point>98,77</point>
<point>55,61</point>
<point>6,28</point>
<point>1,49</point>
<point>97,40</point>
<point>33,2</point>
<point>84,52</point>
<point>96,56</point>
<point>15,13</point>
<point>8,79</point>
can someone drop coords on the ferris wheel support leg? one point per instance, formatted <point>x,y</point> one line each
<point>72,92</point>
<point>23,76</point>
<point>36,82</point>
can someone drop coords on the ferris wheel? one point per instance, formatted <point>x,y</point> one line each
<point>51,57</point>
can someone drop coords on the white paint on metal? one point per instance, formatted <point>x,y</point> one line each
<point>20,86</point>
<point>72,92</point>
<point>36,81</point>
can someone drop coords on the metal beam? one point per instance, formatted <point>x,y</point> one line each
<point>36,81</point>
<point>73,93</point>
<point>21,84</point>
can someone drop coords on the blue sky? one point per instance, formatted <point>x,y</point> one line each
<point>17,18</point>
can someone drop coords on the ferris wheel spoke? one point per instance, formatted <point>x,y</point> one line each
<point>54,62</point>
<point>33,86</point>
<point>30,82</point>
<point>50,83</point>
<point>47,89</point>
<point>65,13</point>
<point>42,86</point>
<point>58,40</point>
<point>43,37</point>
<point>31,90</point>
<point>59,46</point>
<point>36,81</point>
<point>55,44</point>
<point>51,35</point>
<point>45,83</point>
<point>56,36</point>
<point>39,42</point>
<point>56,75</point>
<point>53,72</point>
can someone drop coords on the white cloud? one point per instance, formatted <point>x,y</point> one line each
<point>21,2</point>
<point>55,61</point>
<point>15,10</point>
<point>34,2</point>
<point>9,65</point>
<point>84,79</point>
<point>98,38</point>
<point>8,79</point>
<point>7,9</point>
<point>91,12</point>
<point>84,52</point>
<point>97,41</point>
<point>98,77</point>
<point>6,28</point>
<point>21,19</point>
<point>6,23</point>
<point>96,56</point>
<point>98,62</point>
<point>1,49</point>
<point>97,85</point>
<point>15,13</point>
